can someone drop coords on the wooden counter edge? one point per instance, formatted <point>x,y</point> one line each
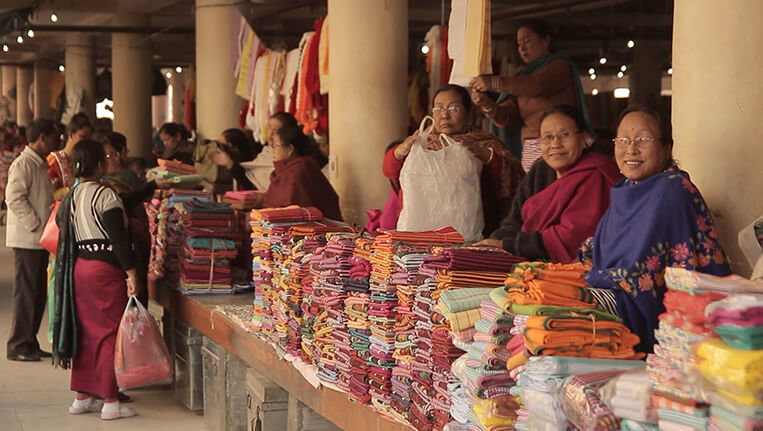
<point>331,404</point>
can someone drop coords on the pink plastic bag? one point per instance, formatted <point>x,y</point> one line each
<point>141,357</point>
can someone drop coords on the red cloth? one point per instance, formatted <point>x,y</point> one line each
<point>567,212</point>
<point>299,181</point>
<point>101,297</point>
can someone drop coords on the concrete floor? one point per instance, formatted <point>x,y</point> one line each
<point>34,396</point>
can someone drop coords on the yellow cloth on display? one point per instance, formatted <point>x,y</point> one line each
<point>733,368</point>
<point>478,52</point>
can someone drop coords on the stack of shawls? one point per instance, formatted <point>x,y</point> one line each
<point>629,395</point>
<point>582,404</point>
<point>738,319</point>
<point>356,307</point>
<point>243,200</point>
<point>205,268</point>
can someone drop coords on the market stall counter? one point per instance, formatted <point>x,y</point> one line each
<point>199,312</point>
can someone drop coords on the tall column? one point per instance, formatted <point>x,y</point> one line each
<point>9,86</point>
<point>716,107</point>
<point>41,105</point>
<point>645,74</point>
<point>175,97</point>
<point>24,77</point>
<point>131,85</point>
<point>367,103</point>
<point>80,75</point>
<point>217,104</point>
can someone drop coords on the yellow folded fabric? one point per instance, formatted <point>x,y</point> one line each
<point>732,368</point>
<point>463,319</point>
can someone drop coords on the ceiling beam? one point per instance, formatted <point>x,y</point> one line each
<point>45,28</point>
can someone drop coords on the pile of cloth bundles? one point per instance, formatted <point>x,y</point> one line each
<point>738,319</point>
<point>582,403</point>
<point>165,227</point>
<point>383,305</point>
<point>356,307</point>
<point>181,175</point>
<point>243,199</point>
<point>630,397</point>
<point>541,381</point>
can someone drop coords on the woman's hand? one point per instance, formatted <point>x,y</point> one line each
<point>132,283</point>
<point>433,142</point>
<point>483,153</point>
<point>480,99</point>
<point>163,183</point>
<point>490,242</point>
<point>484,84</point>
<point>221,158</point>
<point>402,150</point>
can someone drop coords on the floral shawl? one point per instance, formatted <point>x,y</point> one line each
<point>658,222</point>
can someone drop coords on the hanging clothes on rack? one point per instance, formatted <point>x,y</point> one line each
<point>469,40</point>
<point>323,57</point>
<point>311,106</point>
<point>288,88</point>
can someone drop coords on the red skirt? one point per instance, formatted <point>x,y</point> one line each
<point>100,294</point>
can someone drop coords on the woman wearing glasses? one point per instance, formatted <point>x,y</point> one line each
<point>657,218</point>
<point>561,200</point>
<point>501,173</point>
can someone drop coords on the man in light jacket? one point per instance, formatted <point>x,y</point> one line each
<point>29,195</point>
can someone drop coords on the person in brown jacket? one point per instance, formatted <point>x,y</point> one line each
<point>547,80</point>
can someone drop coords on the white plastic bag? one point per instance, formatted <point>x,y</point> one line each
<point>441,188</point>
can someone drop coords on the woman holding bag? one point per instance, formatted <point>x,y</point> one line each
<point>500,171</point>
<point>94,259</point>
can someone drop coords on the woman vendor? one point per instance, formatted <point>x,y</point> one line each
<point>501,173</point>
<point>657,218</point>
<point>549,220</point>
<point>546,80</point>
<point>175,145</point>
<point>296,178</point>
<point>60,166</point>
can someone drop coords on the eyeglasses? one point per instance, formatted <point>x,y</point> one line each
<point>563,136</point>
<point>111,156</point>
<point>452,110</point>
<point>640,142</point>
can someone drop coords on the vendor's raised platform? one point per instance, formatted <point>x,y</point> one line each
<point>199,312</point>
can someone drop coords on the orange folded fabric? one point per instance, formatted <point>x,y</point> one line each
<point>549,284</point>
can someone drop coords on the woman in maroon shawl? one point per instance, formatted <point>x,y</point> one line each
<point>562,198</point>
<point>297,179</point>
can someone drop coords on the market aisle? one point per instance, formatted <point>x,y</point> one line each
<point>34,396</point>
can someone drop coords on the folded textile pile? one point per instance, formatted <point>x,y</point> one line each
<point>243,200</point>
<point>176,167</point>
<point>181,176</point>
<point>331,336</point>
<point>541,380</point>
<point>549,284</point>
<point>356,307</point>
<point>270,227</point>
<point>166,230</point>
<point>211,233</point>
<point>738,319</point>
<point>630,397</point>
<point>382,308</point>
<point>677,391</point>
<point>582,404</point>
<point>696,282</point>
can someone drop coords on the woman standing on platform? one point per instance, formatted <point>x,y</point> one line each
<point>94,258</point>
<point>547,80</point>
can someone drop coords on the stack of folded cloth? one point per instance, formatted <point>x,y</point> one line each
<point>181,175</point>
<point>541,381</point>
<point>206,266</point>
<point>334,364</point>
<point>582,402</point>
<point>736,380</point>
<point>384,302</point>
<point>243,200</point>
<point>165,227</point>
<point>269,227</point>
<point>630,397</point>
<point>422,388</point>
<point>356,307</point>
<point>738,319</point>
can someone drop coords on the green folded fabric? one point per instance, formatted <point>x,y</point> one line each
<point>456,300</point>
<point>185,181</point>
<point>631,425</point>
<point>683,418</point>
<point>551,310</point>
<point>745,338</point>
<point>210,243</point>
<point>736,421</point>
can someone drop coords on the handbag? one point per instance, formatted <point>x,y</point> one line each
<point>49,237</point>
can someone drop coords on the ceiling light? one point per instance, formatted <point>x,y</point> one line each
<point>19,39</point>
<point>53,17</point>
<point>179,69</point>
<point>425,49</point>
<point>593,76</point>
<point>631,44</point>
<point>61,68</point>
<point>595,91</point>
<point>670,71</point>
<point>622,93</point>
<point>620,74</point>
<point>591,70</point>
<point>168,75</point>
<point>5,47</point>
<point>603,60</point>
<point>30,33</point>
<point>623,68</point>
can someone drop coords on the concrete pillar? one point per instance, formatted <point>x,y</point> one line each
<point>9,86</point>
<point>367,105</point>
<point>217,104</point>
<point>131,85</point>
<point>24,77</point>
<point>645,74</point>
<point>80,73</point>
<point>716,107</point>
<point>41,105</point>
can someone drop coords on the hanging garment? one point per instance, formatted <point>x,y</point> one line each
<point>323,57</point>
<point>433,59</point>
<point>290,76</point>
<point>478,52</point>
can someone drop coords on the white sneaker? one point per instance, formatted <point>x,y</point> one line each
<point>113,410</point>
<point>88,405</point>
